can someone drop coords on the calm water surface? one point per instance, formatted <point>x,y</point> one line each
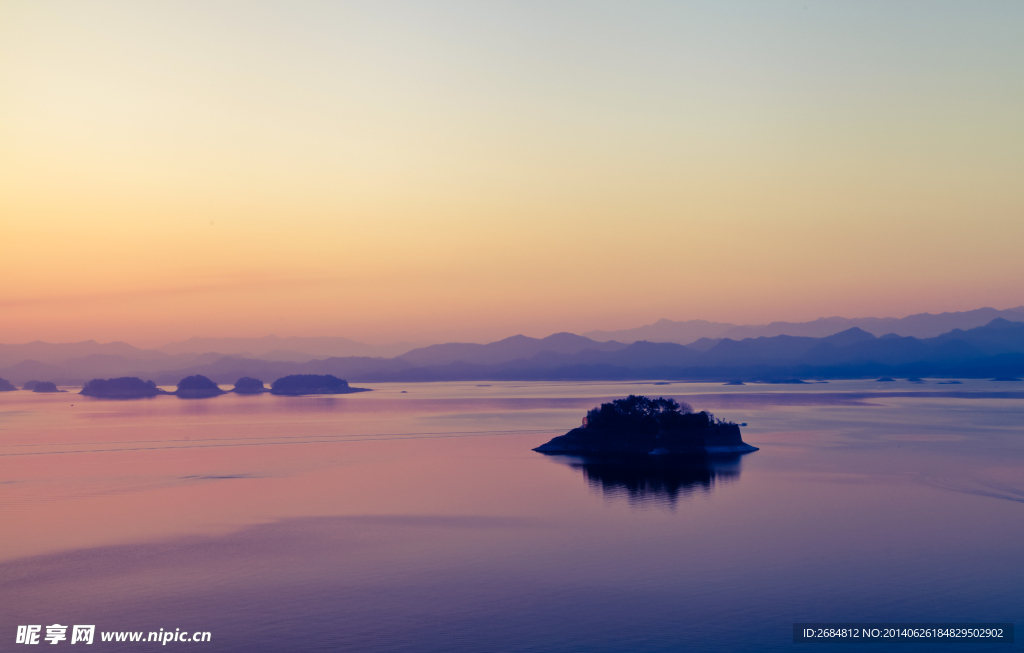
<point>422,521</point>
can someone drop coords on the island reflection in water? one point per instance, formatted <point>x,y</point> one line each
<point>655,479</point>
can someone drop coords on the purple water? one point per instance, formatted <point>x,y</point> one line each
<point>422,521</point>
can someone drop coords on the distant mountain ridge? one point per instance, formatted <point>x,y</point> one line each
<point>505,350</point>
<point>994,349</point>
<point>922,325</point>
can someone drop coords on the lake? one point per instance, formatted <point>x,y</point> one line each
<point>417,518</point>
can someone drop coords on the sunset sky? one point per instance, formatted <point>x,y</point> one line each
<point>470,170</point>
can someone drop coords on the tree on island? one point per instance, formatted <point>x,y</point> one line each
<point>197,386</point>
<point>311,384</point>
<point>30,385</point>
<point>46,386</point>
<point>6,386</point>
<point>638,414</point>
<point>125,387</point>
<point>249,386</point>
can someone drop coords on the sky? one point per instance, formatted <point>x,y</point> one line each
<point>433,171</point>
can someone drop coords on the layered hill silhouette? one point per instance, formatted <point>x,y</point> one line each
<point>506,350</point>
<point>993,350</point>
<point>922,325</point>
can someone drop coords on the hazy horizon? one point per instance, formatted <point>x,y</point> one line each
<point>160,345</point>
<point>474,336</point>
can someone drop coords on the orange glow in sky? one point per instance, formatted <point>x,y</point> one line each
<point>467,171</point>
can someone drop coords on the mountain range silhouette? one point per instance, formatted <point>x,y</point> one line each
<point>993,350</point>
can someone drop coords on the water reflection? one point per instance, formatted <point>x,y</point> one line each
<point>656,479</point>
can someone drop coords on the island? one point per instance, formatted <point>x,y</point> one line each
<point>125,387</point>
<point>30,385</point>
<point>6,386</point>
<point>197,386</point>
<point>46,386</point>
<point>641,426</point>
<point>249,386</point>
<point>312,384</point>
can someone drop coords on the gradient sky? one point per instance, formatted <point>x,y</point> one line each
<point>470,170</point>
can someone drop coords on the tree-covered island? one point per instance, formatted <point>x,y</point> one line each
<point>639,425</point>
